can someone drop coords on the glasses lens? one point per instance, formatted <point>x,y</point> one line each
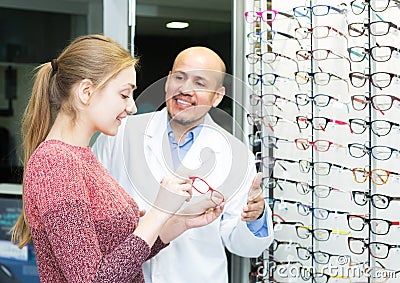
<point>381,53</point>
<point>321,234</point>
<point>253,119</point>
<point>320,54</point>
<point>357,150</point>
<point>303,188</point>
<point>320,10</point>
<point>356,53</point>
<point>358,126</point>
<point>301,33</point>
<point>322,145</point>
<point>301,77</point>
<point>356,29</point>
<point>271,120</point>
<point>304,166</point>
<point>216,197</point>
<point>270,141</point>
<point>322,191</point>
<point>254,99</point>
<point>379,5</point>
<point>302,232</point>
<point>356,223</point>
<point>379,28</point>
<point>357,6</point>
<point>322,168</point>
<point>319,123</point>
<point>322,100</point>
<point>303,209</point>
<point>253,37</point>
<point>268,79</point>
<point>359,102</point>
<point>380,201</point>
<point>382,102</point>
<point>381,127</point>
<point>268,57</point>
<point>379,250</point>
<point>360,176</point>
<point>356,246</point>
<point>381,79</point>
<point>251,17</point>
<point>357,79</point>
<point>320,213</point>
<point>321,257</point>
<point>302,55</point>
<point>303,253</point>
<point>360,198</point>
<point>302,122</point>
<point>302,144</point>
<point>252,58</point>
<point>321,78</point>
<point>302,99</point>
<point>200,185</point>
<point>379,226</point>
<point>268,161</point>
<point>268,16</point>
<point>269,99</point>
<point>301,11</point>
<point>268,35</point>
<point>320,32</point>
<point>253,78</point>
<point>381,152</point>
<point>268,183</point>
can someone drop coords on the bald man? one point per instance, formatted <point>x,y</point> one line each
<point>183,138</point>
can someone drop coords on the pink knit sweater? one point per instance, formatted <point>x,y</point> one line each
<point>81,220</point>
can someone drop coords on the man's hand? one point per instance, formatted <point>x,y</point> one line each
<point>255,200</point>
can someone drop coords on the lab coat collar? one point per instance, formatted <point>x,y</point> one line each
<point>157,130</point>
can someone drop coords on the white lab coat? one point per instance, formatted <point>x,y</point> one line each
<point>138,161</point>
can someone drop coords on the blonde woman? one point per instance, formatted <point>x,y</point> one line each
<point>84,226</point>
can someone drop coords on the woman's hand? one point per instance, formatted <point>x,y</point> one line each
<point>197,215</point>
<point>173,193</point>
<point>171,196</point>
<point>203,219</point>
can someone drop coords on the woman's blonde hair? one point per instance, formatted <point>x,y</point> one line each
<point>94,57</point>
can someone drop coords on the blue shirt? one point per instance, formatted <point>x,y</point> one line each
<point>178,152</point>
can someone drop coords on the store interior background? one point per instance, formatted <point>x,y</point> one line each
<point>34,32</point>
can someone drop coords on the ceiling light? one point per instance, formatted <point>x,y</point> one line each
<point>177,25</point>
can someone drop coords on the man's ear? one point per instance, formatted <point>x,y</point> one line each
<point>85,90</point>
<point>167,82</point>
<point>219,95</point>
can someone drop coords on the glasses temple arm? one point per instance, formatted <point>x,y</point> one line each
<point>290,17</point>
<point>342,34</point>
<point>350,50</point>
<point>290,36</point>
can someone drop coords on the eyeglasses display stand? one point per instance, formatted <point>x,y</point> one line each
<point>323,123</point>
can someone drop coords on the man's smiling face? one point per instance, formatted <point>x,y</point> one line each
<point>194,86</point>
<point>190,94</point>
